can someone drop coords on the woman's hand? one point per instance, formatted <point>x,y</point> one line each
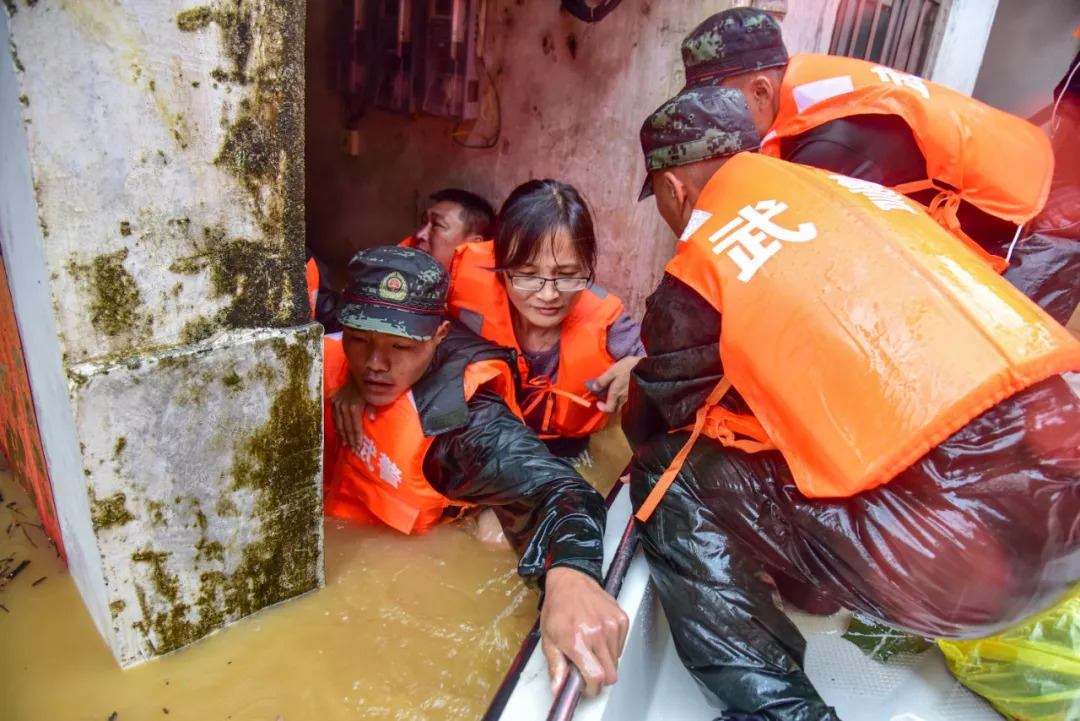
<point>616,381</point>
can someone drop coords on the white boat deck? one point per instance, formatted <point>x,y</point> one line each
<point>654,686</point>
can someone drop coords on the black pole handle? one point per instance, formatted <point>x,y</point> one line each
<point>569,693</point>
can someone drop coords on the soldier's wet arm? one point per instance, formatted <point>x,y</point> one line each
<point>550,514</point>
<point>681,333</point>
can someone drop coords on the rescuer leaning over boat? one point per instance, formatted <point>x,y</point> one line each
<point>980,171</point>
<point>442,433</point>
<point>878,419</point>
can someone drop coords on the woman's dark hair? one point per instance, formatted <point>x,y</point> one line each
<point>537,210</point>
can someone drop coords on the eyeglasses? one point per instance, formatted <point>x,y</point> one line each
<point>535,283</point>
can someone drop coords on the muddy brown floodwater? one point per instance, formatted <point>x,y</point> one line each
<point>407,628</point>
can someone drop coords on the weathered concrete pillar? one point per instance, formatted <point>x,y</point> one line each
<point>152,227</point>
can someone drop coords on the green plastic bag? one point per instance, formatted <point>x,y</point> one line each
<point>880,641</point>
<point>1030,672</point>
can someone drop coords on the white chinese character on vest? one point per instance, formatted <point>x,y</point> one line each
<point>888,75</point>
<point>368,452</point>
<point>388,471</point>
<point>742,238</point>
<point>884,198</point>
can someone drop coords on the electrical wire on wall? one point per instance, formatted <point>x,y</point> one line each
<point>493,106</point>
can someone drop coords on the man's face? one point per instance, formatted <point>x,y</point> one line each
<point>443,231</point>
<point>384,366</point>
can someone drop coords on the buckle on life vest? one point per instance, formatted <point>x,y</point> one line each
<point>542,390</point>
<point>717,423</point>
<point>943,209</point>
<point>723,425</point>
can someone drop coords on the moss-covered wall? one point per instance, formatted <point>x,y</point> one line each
<point>169,167</point>
<point>229,518</point>
<point>164,183</point>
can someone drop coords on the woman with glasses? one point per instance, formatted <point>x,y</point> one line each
<point>531,288</point>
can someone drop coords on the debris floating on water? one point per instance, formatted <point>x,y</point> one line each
<point>18,569</point>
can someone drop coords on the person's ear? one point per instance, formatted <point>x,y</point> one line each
<point>760,92</point>
<point>442,332</point>
<point>674,189</point>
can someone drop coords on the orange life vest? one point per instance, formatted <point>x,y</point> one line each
<point>860,334</point>
<point>312,283</point>
<point>385,482</point>
<point>478,299</point>
<point>998,162</point>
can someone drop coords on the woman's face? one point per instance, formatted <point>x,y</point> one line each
<point>547,307</point>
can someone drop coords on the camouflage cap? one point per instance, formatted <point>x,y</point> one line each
<point>394,290</point>
<point>697,124</point>
<point>734,41</point>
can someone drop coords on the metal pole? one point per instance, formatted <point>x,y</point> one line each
<point>842,38</point>
<point>853,43</point>
<point>568,695</point>
<point>916,55</point>
<point>878,4</point>
<point>838,26</point>
<point>895,12</point>
<point>906,34</point>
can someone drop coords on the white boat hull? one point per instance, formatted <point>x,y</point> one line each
<point>654,686</point>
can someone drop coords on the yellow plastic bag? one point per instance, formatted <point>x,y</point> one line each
<point>1030,672</point>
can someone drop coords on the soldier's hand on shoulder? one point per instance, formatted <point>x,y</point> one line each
<point>348,415</point>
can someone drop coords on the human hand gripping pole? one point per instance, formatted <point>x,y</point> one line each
<point>568,686</point>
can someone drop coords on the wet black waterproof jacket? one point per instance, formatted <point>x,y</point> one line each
<point>484,455</point>
<point>1045,265</point>
<point>996,503</point>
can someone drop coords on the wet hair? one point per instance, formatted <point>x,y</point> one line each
<point>477,213</point>
<point>537,210</point>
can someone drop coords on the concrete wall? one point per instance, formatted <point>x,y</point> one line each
<point>152,228</point>
<point>573,97</point>
<point>1030,47</point>
<point>22,238</point>
<point>960,44</point>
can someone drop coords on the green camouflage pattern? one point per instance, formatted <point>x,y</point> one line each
<point>714,143</point>
<point>397,291</point>
<point>698,124</point>
<point>734,41</point>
